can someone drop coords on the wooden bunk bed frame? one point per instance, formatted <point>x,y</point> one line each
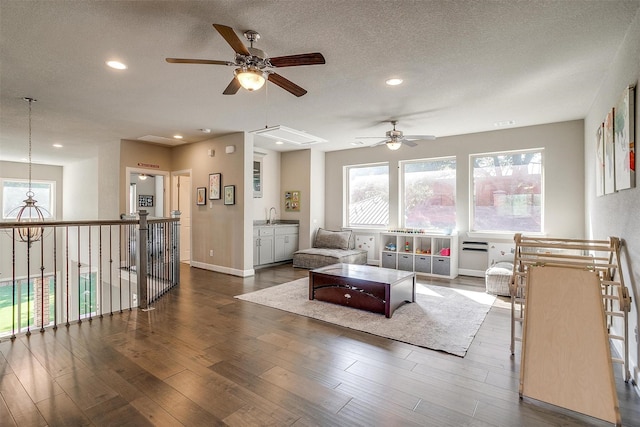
<point>600,256</point>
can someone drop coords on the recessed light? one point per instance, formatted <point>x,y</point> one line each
<point>279,142</point>
<point>57,145</point>
<point>393,82</point>
<point>177,136</point>
<point>117,65</point>
<point>504,123</point>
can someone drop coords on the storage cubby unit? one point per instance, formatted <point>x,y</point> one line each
<point>424,253</point>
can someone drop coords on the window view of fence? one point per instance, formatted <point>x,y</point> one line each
<point>508,192</point>
<point>429,194</point>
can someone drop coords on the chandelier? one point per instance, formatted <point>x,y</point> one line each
<point>29,212</point>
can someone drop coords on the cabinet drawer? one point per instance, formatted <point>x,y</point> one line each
<point>267,231</point>
<point>441,265</point>
<point>405,262</point>
<point>423,263</point>
<point>388,260</point>
<point>286,230</point>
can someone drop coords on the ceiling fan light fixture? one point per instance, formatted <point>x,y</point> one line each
<point>394,145</point>
<point>251,78</point>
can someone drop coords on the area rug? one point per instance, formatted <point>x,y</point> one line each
<point>442,318</point>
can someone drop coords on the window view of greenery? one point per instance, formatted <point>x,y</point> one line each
<point>368,190</point>
<point>429,194</point>
<point>27,311</point>
<point>507,192</point>
<point>14,192</point>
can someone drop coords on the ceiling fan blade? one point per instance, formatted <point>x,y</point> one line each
<point>232,88</point>
<point>197,61</point>
<point>286,84</point>
<point>380,143</point>
<point>232,38</point>
<point>296,60</point>
<point>418,137</point>
<point>409,143</point>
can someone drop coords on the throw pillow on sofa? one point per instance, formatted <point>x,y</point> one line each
<point>332,239</point>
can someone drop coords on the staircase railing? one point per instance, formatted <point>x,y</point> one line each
<point>79,270</point>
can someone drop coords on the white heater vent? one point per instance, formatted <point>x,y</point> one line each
<point>288,135</point>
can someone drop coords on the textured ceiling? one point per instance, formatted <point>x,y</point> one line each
<point>465,65</point>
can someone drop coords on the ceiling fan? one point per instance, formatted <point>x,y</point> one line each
<point>395,138</point>
<point>253,65</point>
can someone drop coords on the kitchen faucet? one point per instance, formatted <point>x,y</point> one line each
<point>270,221</point>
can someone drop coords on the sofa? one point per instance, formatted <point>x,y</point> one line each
<point>330,247</point>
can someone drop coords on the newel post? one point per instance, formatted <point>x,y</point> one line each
<point>175,250</point>
<point>143,231</point>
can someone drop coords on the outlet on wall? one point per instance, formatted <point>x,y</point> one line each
<point>211,252</point>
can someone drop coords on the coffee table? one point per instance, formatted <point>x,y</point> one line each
<point>380,290</point>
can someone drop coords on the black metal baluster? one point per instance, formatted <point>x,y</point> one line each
<point>13,285</point>
<point>41,279</point>
<point>67,273</point>
<point>55,278</point>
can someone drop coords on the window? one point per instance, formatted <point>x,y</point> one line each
<point>507,192</point>
<point>367,195</point>
<point>429,194</point>
<point>14,192</point>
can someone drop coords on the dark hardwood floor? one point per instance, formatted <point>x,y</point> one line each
<point>204,358</point>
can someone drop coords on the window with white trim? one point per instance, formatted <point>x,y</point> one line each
<point>14,192</point>
<point>367,195</point>
<point>508,192</point>
<point>428,191</point>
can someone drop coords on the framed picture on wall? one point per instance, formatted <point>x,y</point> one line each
<point>229,194</point>
<point>292,201</point>
<point>201,198</point>
<point>215,179</point>
<point>145,201</point>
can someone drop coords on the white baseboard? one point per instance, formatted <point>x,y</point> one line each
<point>472,273</point>
<point>223,269</point>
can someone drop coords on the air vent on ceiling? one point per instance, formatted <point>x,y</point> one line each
<point>162,140</point>
<point>288,135</point>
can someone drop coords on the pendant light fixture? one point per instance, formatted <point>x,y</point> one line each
<point>29,212</point>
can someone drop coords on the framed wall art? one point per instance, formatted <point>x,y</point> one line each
<point>292,201</point>
<point>215,179</point>
<point>201,196</point>
<point>600,160</point>
<point>229,194</point>
<point>624,141</point>
<point>609,153</point>
<point>145,201</point>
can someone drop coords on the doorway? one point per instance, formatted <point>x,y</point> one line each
<point>181,201</point>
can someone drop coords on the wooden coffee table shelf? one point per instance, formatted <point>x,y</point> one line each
<point>379,290</point>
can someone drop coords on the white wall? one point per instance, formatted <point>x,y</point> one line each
<point>109,180</point>
<point>563,151</point>
<point>80,186</point>
<point>617,214</point>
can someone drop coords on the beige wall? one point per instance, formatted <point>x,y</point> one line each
<point>617,214</point>
<point>296,175</point>
<point>136,154</point>
<point>217,226</point>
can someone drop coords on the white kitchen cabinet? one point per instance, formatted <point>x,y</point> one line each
<point>274,243</point>
<point>286,242</point>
